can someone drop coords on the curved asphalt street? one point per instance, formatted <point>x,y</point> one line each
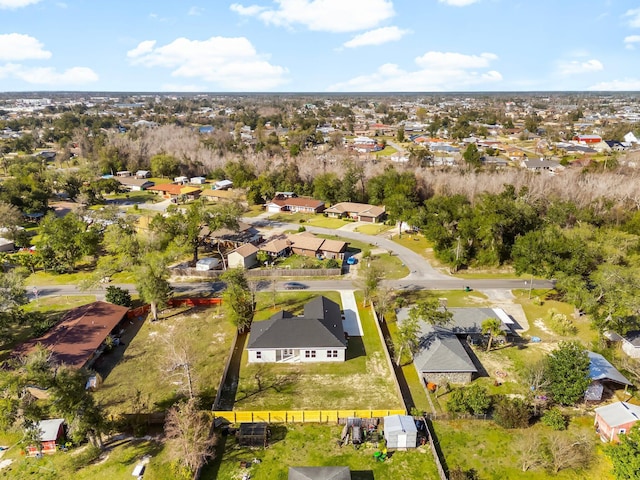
<point>422,275</point>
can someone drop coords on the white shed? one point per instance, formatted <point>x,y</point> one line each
<point>400,431</point>
<point>181,180</point>
<point>198,180</point>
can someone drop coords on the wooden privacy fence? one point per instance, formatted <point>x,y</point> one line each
<point>301,416</point>
<point>175,302</point>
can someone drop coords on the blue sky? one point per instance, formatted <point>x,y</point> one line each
<point>319,45</point>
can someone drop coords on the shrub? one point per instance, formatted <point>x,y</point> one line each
<point>333,263</point>
<point>511,412</point>
<point>555,419</point>
<point>118,296</point>
<point>561,324</point>
<point>301,229</point>
<point>472,399</point>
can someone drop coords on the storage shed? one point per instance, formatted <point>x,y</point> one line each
<point>254,434</point>
<point>400,431</point>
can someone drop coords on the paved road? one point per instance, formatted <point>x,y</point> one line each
<point>422,275</point>
<point>420,269</point>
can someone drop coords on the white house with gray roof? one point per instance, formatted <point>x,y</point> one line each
<point>317,336</point>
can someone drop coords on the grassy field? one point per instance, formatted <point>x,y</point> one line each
<point>363,381</point>
<point>493,451</point>
<point>537,309</point>
<point>137,366</point>
<point>315,220</point>
<point>85,463</point>
<point>373,228</point>
<point>316,445</point>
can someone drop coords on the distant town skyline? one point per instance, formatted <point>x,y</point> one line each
<point>319,46</point>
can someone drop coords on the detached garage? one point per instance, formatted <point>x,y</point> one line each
<point>400,431</point>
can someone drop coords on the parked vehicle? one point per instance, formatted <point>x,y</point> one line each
<point>295,286</point>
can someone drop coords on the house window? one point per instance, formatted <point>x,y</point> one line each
<point>622,430</point>
<point>310,354</point>
<point>332,354</point>
<point>258,354</point>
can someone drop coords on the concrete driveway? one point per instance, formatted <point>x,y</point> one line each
<point>351,322</point>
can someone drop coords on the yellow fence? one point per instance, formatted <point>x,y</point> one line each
<point>302,416</point>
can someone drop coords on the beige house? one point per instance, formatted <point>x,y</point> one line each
<point>362,212</point>
<point>243,257</point>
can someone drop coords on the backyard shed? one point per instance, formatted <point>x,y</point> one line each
<point>400,431</point>
<point>254,434</point>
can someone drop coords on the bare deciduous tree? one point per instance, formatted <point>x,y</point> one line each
<point>565,451</point>
<point>178,363</point>
<point>188,432</point>
<point>530,451</point>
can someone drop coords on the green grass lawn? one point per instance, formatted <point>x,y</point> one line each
<point>138,364</point>
<point>373,228</point>
<point>538,307</point>
<point>493,451</point>
<point>363,381</point>
<point>314,220</point>
<point>316,445</point>
<point>253,211</point>
<point>391,266</point>
<point>85,463</point>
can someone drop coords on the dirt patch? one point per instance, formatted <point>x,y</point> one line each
<point>539,323</point>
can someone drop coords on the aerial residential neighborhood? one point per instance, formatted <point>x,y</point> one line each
<point>420,276</point>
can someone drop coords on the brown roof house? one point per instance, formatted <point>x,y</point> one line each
<point>276,248</point>
<point>77,341</point>
<point>283,203</point>
<point>361,212</point>
<point>307,244</point>
<point>244,256</point>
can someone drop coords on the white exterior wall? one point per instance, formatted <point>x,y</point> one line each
<point>630,350</point>
<point>321,356</point>
<point>268,356</point>
<point>236,260</point>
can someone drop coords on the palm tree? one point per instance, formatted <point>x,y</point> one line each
<point>493,327</point>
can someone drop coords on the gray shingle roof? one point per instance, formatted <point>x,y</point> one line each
<point>319,473</point>
<point>320,327</point>
<point>441,351</point>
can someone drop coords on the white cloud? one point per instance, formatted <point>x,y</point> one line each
<point>16,46</point>
<point>378,36</point>
<point>575,67</point>
<point>251,11</point>
<point>322,15</point>
<point>630,41</point>
<point>439,71</point>
<point>231,63</point>
<point>195,11</point>
<point>458,3</point>
<point>625,85</point>
<point>142,49</point>
<point>634,17</point>
<point>11,4</point>
<point>49,76</point>
<point>455,60</point>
